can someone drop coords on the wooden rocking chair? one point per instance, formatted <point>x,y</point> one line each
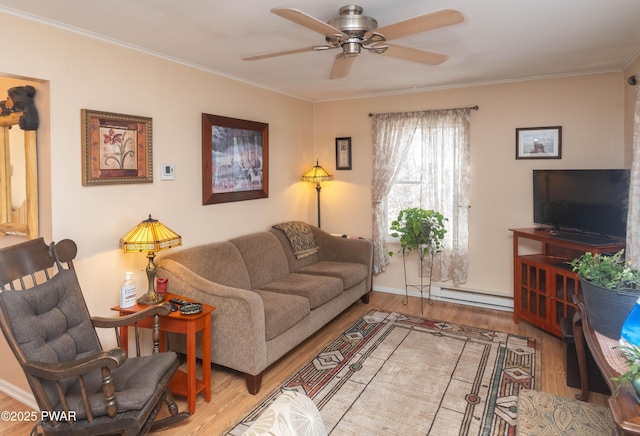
<point>79,388</point>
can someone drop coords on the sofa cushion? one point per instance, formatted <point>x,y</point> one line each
<point>350,273</point>
<point>282,311</point>
<point>263,257</point>
<point>317,289</point>
<point>294,263</point>
<point>220,262</point>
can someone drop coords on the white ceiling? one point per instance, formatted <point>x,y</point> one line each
<point>500,40</point>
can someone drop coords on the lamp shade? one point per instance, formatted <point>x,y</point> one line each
<point>317,174</point>
<point>150,235</point>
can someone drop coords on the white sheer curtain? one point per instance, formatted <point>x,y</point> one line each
<point>445,138</point>
<point>633,219</point>
<point>392,135</point>
<point>445,145</point>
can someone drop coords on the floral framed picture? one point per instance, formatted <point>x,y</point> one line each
<point>116,148</point>
<point>539,142</point>
<point>343,153</point>
<point>235,159</point>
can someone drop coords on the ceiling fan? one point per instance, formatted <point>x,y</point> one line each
<point>352,31</point>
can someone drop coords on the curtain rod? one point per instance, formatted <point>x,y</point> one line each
<point>475,108</point>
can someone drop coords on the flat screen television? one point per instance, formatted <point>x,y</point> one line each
<point>583,201</point>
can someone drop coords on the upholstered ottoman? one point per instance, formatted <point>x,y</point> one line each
<point>540,413</point>
<point>291,414</point>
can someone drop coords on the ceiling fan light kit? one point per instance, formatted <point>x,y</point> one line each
<point>352,31</point>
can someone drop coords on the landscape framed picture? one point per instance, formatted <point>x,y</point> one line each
<point>539,142</point>
<point>235,159</point>
<point>116,148</point>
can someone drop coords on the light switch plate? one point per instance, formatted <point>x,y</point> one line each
<point>166,172</point>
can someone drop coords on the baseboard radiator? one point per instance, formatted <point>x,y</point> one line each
<point>19,394</point>
<point>459,296</point>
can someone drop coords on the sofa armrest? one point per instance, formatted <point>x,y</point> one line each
<point>237,324</point>
<point>333,248</point>
<point>338,249</point>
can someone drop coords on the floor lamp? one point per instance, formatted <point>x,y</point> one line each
<point>316,175</point>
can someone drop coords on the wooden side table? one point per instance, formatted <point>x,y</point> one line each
<point>185,384</point>
<point>624,406</point>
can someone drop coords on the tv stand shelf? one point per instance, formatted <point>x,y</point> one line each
<point>543,283</point>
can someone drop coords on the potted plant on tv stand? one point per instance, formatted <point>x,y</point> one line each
<point>610,287</point>
<point>422,231</point>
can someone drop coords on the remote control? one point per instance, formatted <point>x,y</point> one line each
<point>178,301</point>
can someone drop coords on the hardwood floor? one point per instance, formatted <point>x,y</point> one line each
<point>230,400</point>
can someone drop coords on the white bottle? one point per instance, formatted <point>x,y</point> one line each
<point>128,292</point>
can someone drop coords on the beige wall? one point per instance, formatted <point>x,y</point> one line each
<point>81,72</point>
<point>76,72</point>
<point>589,108</point>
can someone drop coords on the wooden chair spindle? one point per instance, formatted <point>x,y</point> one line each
<point>109,392</point>
<point>156,334</point>
<point>137,334</point>
<point>85,399</point>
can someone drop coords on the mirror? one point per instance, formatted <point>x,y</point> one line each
<point>18,169</point>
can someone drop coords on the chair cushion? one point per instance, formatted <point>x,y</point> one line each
<point>350,273</point>
<point>50,321</point>
<point>135,382</point>
<point>51,324</point>
<point>540,413</point>
<point>317,289</point>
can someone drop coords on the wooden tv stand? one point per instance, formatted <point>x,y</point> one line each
<point>543,282</point>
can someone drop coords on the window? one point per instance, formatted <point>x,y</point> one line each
<point>406,191</point>
<point>421,159</point>
<point>427,156</point>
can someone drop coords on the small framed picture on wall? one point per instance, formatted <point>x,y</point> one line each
<point>539,142</point>
<point>343,153</point>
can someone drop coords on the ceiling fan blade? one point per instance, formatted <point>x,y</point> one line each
<point>421,23</point>
<point>413,54</point>
<point>341,66</point>
<point>307,21</point>
<point>278,53</point>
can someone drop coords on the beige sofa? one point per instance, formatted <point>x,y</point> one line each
<point>267,299</point>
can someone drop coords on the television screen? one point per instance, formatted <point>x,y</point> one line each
<point>590,201</point>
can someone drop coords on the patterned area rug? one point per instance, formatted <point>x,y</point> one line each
<point>396,374</point>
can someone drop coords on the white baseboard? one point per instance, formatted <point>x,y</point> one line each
<point>21,395</point>
<point>458,295</point>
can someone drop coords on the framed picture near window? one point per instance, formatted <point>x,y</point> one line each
<point>539,142</point>
<point>343,153</point>
<point>235,159</point>
<point>116,148</point>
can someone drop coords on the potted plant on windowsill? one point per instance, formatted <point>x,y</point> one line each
<point>419,230</point>
<point>610,287</point>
